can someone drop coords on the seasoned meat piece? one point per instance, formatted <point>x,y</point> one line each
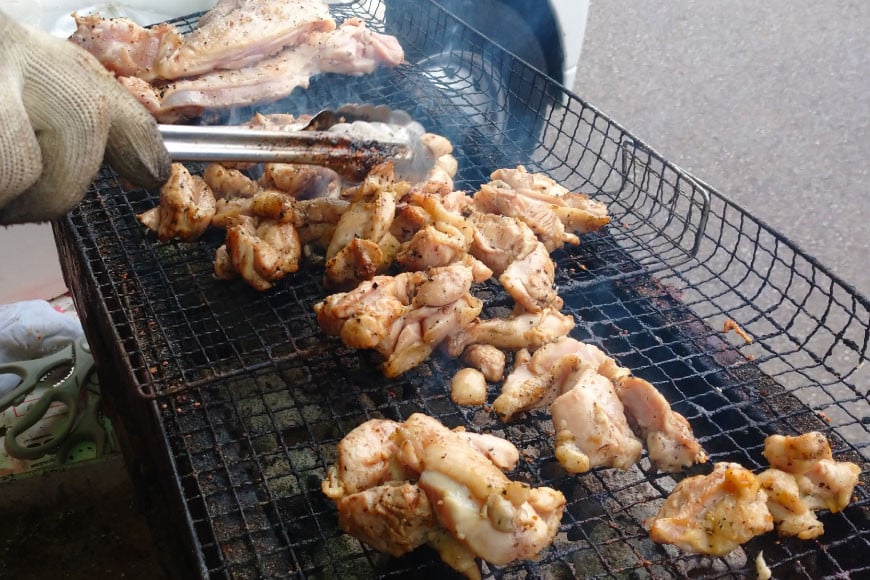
<point>577,212</point>
<point>227,182</point>
<point>669,438</point>
<point>394,518</point>
<point>486,358</point>
<point>186,208</point>
<point>364,225</point>
<point>260,253</point>
<point>713,514</point>
<point>302,181</point>
<point>350,49</point>
<point>590,423</point>
<point>530,281</point>
<point>420,482</point>
<point>234,34</point>
<point>364,459</point>
<point>529,330</point>
<point>803,478</point>
<point>500,520</point>
<point>124,47</point>
<point>468,387</point>
<point>403,317</point>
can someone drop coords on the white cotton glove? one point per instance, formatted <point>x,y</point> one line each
<point>60,111</point>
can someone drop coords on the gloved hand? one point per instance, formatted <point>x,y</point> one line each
<point>60,111</point>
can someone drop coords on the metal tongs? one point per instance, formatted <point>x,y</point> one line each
<point>351,140</point>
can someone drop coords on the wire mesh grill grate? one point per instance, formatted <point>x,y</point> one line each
<point>252,397</point>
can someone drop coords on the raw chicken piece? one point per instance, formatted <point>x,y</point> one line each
<point>529,330</point>
<point>713,514</point>
<point>499,520</point>
<point>260,253</point>
<point>591,428</point>
<point>803,478</point>
<point>186,208</point>
<point>669,439</point>
<point>421,483</point>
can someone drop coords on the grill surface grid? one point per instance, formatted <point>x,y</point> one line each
<point>252,398</point>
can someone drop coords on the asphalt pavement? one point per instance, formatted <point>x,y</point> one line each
<point>768,102</point>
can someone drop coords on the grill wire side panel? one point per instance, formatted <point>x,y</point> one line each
<point>253,397</point>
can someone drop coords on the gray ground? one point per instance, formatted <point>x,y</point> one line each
<point>768,102</point>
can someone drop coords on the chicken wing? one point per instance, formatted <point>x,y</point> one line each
<point>713,514</point>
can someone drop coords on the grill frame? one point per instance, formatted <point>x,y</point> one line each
<point>226,412</point>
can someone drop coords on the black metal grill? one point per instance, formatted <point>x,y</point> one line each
<point>250,398</point>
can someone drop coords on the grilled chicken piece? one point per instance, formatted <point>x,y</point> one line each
<point>394,518</point>
<point>791,514</point>
<point>124,47</point>
<point>363,226</point>
<point>530,281</point>
<point>522,263</point>
<point>501,521</point>
<point>227,182</point>
<point>581,385</point>
<point>238,33</point>
<point>668,435</point>
<point>577,212</point>
<point>803,478</point>
<point>365,460</point>
<point>484,357</point>
<point>234,34</point>
<point>537,383</point>
<point>260,253</point>
<point>590,423</point>
<point>302,181</point>
<point>350,49</point>
<point>442,305</point>
<point>528,330</point>
<point>186,208</point>
<point>400,485</point>
<point>713,514</point>
<point>403,317</point>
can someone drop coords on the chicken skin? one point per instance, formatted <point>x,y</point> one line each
<point>448,492</point>
<point>713,514</point>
